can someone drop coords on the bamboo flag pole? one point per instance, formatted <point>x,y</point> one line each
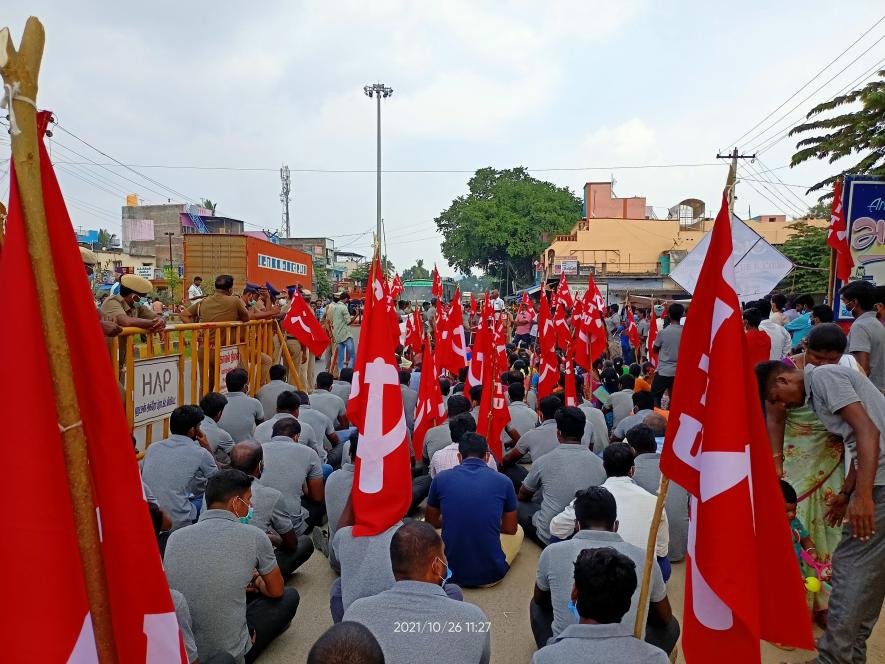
<point>20,69</point>
<point>650,558</point>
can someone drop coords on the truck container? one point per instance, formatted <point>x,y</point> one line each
<point>248,259</point>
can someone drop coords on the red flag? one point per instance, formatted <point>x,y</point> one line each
<point>563,294</point>
<point>392,315</point>
<point>436,289</point>
<point>632,330</point>
<point>431,410</point>
<point>837,236</point>
<point>382,483</point>
<point>493,412</point>
<point>597,330</point>
<point>729,604</point>
<point>581,341</point>
<point>500,340</point>
<point>482,343</point>
<point>302,324</point>
<point>652,335</point>
<point>396,288</point>
<point>144,624</point>
<point>414,331</point>
<point>472,304</point>
<point>548,364</point>
<point>451,347</point>
<point>560,324</point>
<point>571,385</point>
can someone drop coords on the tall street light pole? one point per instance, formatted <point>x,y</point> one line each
<point>378,90</point>
<point>171,290</point>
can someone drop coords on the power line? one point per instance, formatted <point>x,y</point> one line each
<point>828,65</point>
<point>790,205</point>
<point>776,205</point>
<point>786,187</point>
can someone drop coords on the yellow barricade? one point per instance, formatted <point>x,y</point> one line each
<point>195,356</point>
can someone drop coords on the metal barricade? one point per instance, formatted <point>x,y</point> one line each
<point>200,354</point>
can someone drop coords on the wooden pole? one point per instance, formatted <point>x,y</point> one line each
<point>650,558</point>
<point>22,68</point>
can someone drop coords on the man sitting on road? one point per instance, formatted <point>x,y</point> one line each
<point>476,508</point>
<point>330,405</point>
<point>596,516</point>
<point>440,436</point>
<point>447,457</point>
<point>220,441</point>
<point>242,412</point>
<point>621,402</point>
<point>536,442</point>
<point>643,404</point>
<point>324,429</point>
<point>289,406</point>
<point>522,418</point>
<point>604,583</point>
<point>227,572</point>
<point>338,488</point>
<point>177,468</point>
<point>268,393</point>
<point>270,514</point>
<point>419,566</point>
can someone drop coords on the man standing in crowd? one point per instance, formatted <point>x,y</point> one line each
<point>269,510</point>
<point>177,468</point>
<point>228,573</point>
<point>849,405</point>
<point>195,291</point>
<point>758,342</point>
<point>667,347</point>
<point>866,339</point>
<point>419,567</point>
<point>800,325</point>
<point>341,330</point>
<point>557,475</point>
<point>781,343</point>
<point>476,508</point>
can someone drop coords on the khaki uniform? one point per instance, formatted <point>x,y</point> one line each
<point>116,306</point>
<point>217,308</point>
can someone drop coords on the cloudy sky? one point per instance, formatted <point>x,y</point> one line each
<point>576,90</point>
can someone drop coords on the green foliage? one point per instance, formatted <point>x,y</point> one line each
<point>105,238</point>
<point>475,284</point>
<point>417,271</point>
<point>820,211</point>
<point>857,132</point>
<point>170,273</point>
<point>209,205</point>
<point>322,283</point>
<point>808,250</point>
<point>361,273</point>
<point>498,226</point>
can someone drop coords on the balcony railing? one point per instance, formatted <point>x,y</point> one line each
<point>618,268</point>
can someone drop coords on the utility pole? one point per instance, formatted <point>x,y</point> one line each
<point>169,234</point>
<point>378,90</point>
<point>284,197</point>
<point>732,175</point>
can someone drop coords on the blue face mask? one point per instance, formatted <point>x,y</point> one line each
<point>448,573</point>
<point>574,610</point>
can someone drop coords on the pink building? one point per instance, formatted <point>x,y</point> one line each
<point>599,203</point>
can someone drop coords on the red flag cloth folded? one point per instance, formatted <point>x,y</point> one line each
<point>560,324</point>
<point>414,331</point>
<point>652,335</point>
<point>382,483</point>
<point>436,289</point>
<point>302,324</point>
<point>431,410</point>
<point>42,558</point>
<point>717,449</point>
<point>548,363</point>
<point>493,412</point>
<point>563,294</point>
<point>396,288</point>
<point>837,236</point>
<point>598,331</point>
<point>581,341</point>
<point>451,346</point>
<point>632,330</point>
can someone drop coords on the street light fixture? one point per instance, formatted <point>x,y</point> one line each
<point>379,91</point>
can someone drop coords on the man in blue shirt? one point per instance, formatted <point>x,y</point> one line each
<point>476,508</point>
<point>800,326</point>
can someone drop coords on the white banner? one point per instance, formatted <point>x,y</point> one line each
<point>145,271</point>
<point>155,388</point>
<point>228,360</point>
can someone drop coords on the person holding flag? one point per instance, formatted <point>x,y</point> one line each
<point>717,448</point>
<point>524,318</point>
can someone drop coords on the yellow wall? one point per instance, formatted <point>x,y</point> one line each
<point>635,245</point>
<point>109,258</point>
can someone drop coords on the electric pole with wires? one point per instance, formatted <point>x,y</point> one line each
<point>284,197</point>
<point>732,175</point>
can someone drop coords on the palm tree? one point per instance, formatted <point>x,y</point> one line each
<point>209,205</point>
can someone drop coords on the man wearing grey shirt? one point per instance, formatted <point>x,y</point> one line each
<point>419,566</point>
<point>849,405</point>
<point>220,441</point>
<point>596,516</point>
<point>227,572</point>
<point>866,339</point>
<point>337,490</point>
<point>557,476</point>
<point>242,412</point>
<point>522,418</point>
<point>643,405</point>
<point>327,403</point>
<point>440,436</point>
<point>595,436</point>
<point>601,628</point>
<point>535,442</point>
<point>324,429</point>
<point>177,468</point>
<point>268,393</point>
<point>288,405</point>
<point>341,387</point>
<point>667,346</point>
<point>410,399</point>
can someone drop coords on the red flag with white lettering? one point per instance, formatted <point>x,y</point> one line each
<point>302,324</point>
<point>837,236</point>
<point>548,363</point>
<point>414,332</point>
<point>46,607</point>
<point>717,449</point>
<point>560,324</point>
<point>571,386</point>
<point>382,483</point>
<point>436,289</point>
<point>482,344</point>
<point>597,330</point>
<point>451,346</point>
<point>493,412</point>
<point>431,410</point>
<point>563,294</point>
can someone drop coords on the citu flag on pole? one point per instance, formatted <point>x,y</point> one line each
<point>560,324</point>
<point>436,289</point>
<point>493,412</point>
<point>571,385</point>
<point>396,288</point>
<point>414,332</point>
<point>632,330</point>
<point>302,324</point>
<point>717,449</point>
<point>652,336</point>
<point>382,482</point>
<point>482,345</point>
<point>563,294</point>
<point>472,304</point>
<point>581,341</point>
<point>393,317</point>
<point>837,236</point>
<point>431,410</point>
<point>451,346</point>
<point>548,363</point>
<point>45,563</point>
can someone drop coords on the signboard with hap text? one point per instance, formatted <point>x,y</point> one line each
<point>155,391</point>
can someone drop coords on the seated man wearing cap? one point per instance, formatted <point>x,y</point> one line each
<point>125,309</point>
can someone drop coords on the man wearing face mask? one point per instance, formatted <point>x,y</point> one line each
<point>270,514</point>
<point>126,309</point>
<point>178,467</point>
<point>417,598</point>
<point>109,327</point>
<point>213,561</point>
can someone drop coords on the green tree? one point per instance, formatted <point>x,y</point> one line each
<point>856,132</point>
<point>499,226</point>
<point>170,273</point>
<point>475,283</point>
<point>105,237</point>
<point>321,278</point>
<point>808,250</point>
<point>417,271</point>
<point>820,211</point>
<point>361,273</point>
<point>209,205</point>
